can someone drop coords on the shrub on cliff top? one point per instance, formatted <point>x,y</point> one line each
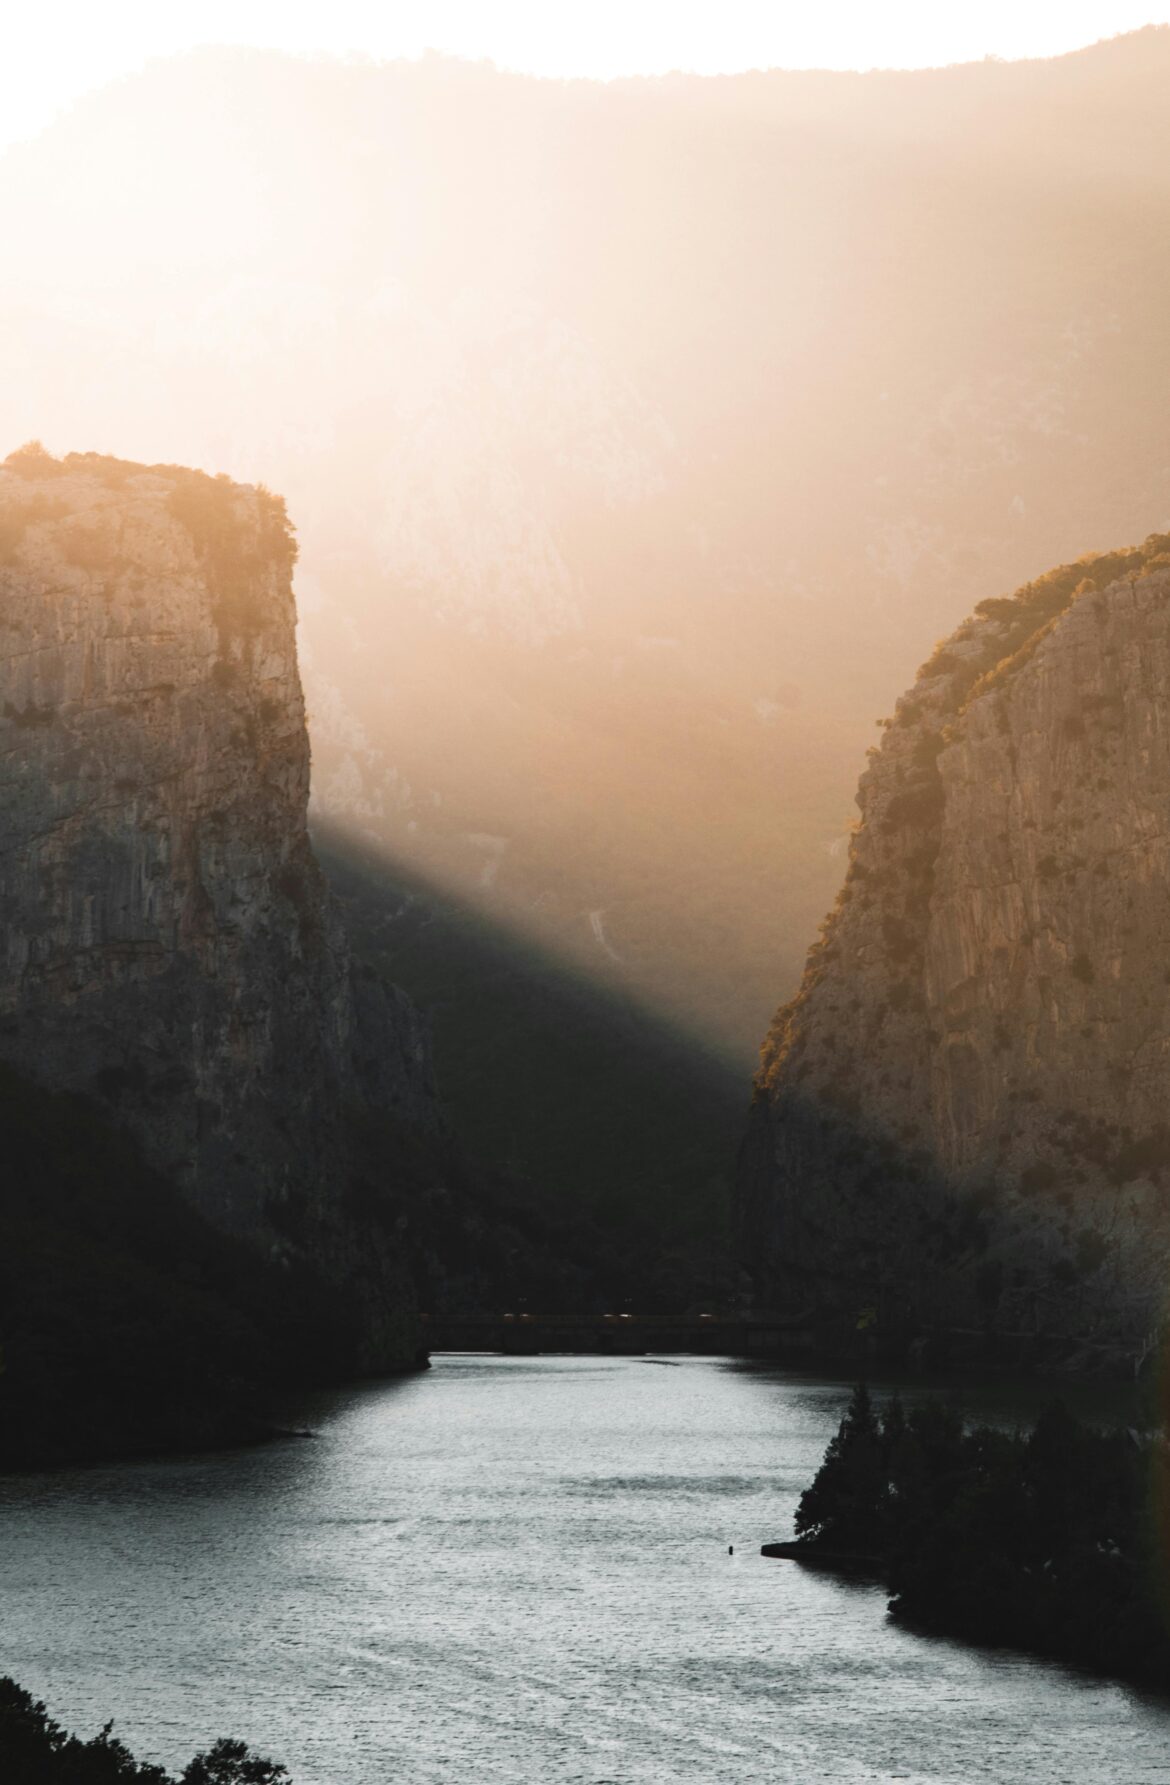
<point>32,460</point>
<point>232,551</point>
<point>1022,618</point>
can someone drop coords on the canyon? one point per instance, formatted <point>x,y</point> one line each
<point>641,437</point>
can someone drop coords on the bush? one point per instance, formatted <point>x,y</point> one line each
<point>32,461</point>
<point>36,1751</point>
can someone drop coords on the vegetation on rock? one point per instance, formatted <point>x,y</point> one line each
<point>1049,1540</point>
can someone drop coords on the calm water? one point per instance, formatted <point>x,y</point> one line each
<point>516,1570</point>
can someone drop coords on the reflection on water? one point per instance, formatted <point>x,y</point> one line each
<point>516,1570</point>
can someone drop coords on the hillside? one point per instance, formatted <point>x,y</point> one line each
<point>959,1135</point>
<point>641,436</point>
<point>596,1108</point>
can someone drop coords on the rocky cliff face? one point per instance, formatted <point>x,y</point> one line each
<point>961,1122</point>
<point>169,945</point>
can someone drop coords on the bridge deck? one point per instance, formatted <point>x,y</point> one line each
<point>618,1335</point>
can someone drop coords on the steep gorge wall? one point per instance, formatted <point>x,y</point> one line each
<point>169,945</point>
<point>962,1121</point>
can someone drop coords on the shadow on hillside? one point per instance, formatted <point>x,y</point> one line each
<point>602,1107</point>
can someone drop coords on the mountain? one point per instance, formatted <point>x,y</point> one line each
<point>959,1134</point>
<point>227,1167</point>
<point>171,950</point>
<point>641,435</point>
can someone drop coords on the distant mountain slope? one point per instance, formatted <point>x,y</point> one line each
<point>640,435</point>
<point>595,1108</point>
<point>960,1129</point>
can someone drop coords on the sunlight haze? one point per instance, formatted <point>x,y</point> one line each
<point>585,785</point>
<point>57,53</point>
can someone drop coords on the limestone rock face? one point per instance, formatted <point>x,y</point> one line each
<point>169,944</point>
<point>962,1121</point>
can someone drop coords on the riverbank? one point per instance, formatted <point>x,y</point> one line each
<point>563,1523</point>
<point>1050,1540</point>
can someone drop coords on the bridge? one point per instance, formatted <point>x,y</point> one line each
<point>620,1335</point>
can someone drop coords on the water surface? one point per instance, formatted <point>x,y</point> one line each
<point>516,1571</point>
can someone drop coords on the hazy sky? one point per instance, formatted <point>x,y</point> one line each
<point>52,52</point>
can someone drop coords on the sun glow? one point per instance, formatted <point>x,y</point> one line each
<point>53,55</point>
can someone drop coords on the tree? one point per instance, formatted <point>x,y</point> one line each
<point>229,1763</point>
<point>845,1506</point>
<point>36,1751</point>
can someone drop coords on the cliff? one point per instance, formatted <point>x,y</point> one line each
<point>960,1123</point>
<point>169,945</point>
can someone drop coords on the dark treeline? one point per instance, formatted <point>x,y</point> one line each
<point>1048,1540</point>
<point>34,1750</point>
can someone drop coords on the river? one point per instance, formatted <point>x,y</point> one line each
<point>516,1570</point>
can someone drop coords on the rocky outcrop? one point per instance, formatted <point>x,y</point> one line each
<point>962,1121</point>
<point>169,944</point>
